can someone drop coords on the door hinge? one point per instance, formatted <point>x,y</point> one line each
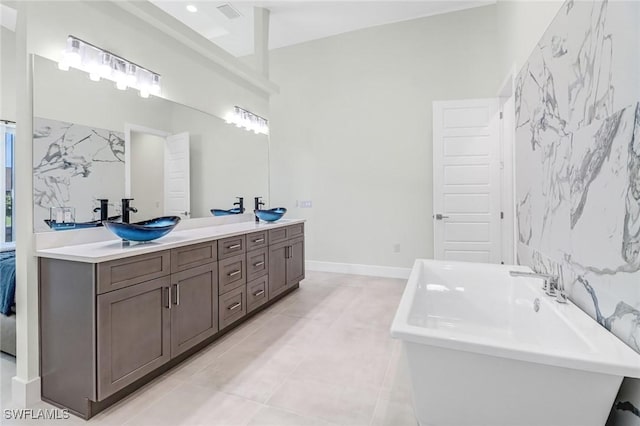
<point>501,215</point>
<point>501,115</point>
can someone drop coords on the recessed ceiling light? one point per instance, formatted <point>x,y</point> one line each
<point>191,8</point>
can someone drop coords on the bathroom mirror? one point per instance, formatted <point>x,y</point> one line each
<point>92,141</point>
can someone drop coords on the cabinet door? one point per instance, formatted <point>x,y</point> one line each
<point>277,269</point>
<point>194,311</point>
<point>295,261</point>
<point>133,332</point>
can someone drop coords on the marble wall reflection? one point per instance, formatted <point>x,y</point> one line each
<point>73,165</point>
<point>578,164</point>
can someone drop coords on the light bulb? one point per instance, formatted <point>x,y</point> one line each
<point>144,92</point>
<point>63,65</point>
<point>155,84</point>
<point>104,69</point>
<point>132,70</point>
<point>72,53</point>
<point>121,82</point>
<point>191,8</point>
<point>94,76</point>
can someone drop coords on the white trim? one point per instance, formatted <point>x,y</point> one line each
<point>355,269</point>
<point>128,128</point>
<point>25,393</point>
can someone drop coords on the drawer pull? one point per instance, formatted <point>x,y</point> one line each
<point>259,240</point>
<point>259,293</point>
<point>234,273</point>
<point>168,305</point>
<point>255,265</point>
<point>235,306</point>
<point>233,247</point>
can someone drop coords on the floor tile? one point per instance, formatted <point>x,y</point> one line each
<point>335,403</point>
<point>321,356</point>
<point>191,404</point>
<point>271,416</point>
<point>251,373</point>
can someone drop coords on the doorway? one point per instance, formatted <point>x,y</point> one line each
<point>157,169</point>
<point>472,180</point>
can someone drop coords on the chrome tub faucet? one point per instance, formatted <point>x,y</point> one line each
<point>551,284</point>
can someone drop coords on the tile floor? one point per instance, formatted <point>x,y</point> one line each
<point>321,356</point>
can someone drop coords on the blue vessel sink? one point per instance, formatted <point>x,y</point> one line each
<point>220,212</point>
<point>147,230</point>
<point>75,225</point>
<point>270,215</point>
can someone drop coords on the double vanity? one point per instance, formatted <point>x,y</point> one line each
<point>114,317</point>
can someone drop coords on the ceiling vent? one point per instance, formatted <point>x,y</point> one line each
<point>229,11</point>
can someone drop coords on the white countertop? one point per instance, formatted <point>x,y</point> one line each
<point>113,249</point>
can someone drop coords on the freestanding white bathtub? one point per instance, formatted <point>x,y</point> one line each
<point>479,354</point>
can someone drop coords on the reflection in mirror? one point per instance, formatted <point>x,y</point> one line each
<point>92,141</point>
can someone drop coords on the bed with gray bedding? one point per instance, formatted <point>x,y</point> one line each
<point>7,302</point>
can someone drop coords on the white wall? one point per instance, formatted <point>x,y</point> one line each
<point>351,130</point>
<point>521,24</point>
<point>7,74</point>
<point>147,175</point>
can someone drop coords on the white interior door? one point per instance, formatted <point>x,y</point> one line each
<point>177,200</point>
<point>466,180</point>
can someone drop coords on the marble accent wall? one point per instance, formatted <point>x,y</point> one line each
<point>578,166</point>
<point>73,165</point>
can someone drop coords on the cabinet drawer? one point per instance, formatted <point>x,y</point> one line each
<point>277,235</point>
<point>257,293</point>
<point>132,270</point>
<point>231,246</point>
<point>257,240</point>
<point>295,230</point>
<point>194,255</point>
<point>232,272</point>
<point>257,263</point>
<point>232,306</point>
<point>285,233</point>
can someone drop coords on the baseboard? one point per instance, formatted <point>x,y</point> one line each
<point>355,269</point>
<point>25,393</point>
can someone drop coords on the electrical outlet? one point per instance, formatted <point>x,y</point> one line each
<point>396,248</point>
<point>305,204</point>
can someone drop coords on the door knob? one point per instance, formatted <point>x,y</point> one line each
<point>439,216</point>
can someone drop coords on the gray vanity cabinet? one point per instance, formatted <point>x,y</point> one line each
<point>107,328</point>
<point>133,333</point>
<point>194,307</point>
<point>286,265</point>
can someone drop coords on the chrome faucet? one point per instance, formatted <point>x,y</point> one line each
<point>126,208</point>
<point>551,284</point>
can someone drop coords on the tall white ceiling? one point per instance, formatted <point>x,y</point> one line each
<point>294,22</point>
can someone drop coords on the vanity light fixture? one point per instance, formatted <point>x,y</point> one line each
<point>100,63</point>
<point>250,121</point>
